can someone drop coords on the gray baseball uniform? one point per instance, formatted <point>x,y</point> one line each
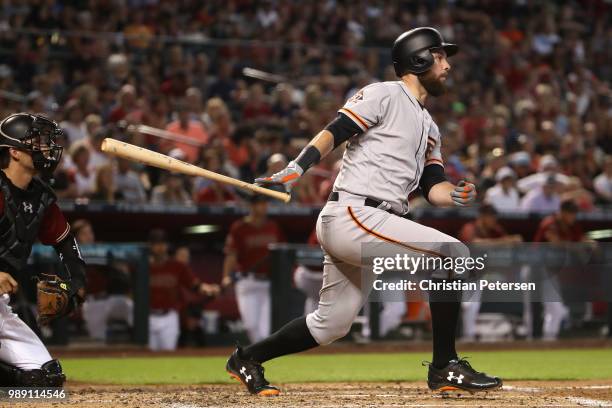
<point>384,163</point>
<point>387,160</point>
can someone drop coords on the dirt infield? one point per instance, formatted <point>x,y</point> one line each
<point>319,395</point>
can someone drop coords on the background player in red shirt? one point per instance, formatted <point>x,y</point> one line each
<point>167,278</point>
<point>28,212</point>
<point>484,229</point>
<point>247,255</point>
<point>558,228</point>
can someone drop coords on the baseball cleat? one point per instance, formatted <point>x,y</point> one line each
<point>250,373</point>
<point>459,376</point>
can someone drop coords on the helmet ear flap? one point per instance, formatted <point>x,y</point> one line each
<point>421,61</point>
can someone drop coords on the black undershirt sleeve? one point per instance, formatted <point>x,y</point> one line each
<point>74,266</point>
<point>432,174</point>
<point>342,128</point>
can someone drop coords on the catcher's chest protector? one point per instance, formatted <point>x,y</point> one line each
<point>20,220</point>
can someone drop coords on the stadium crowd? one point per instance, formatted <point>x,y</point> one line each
<point>528,114</point>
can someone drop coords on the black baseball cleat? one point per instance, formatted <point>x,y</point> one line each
<point>250,373</point>
<point>459,375</point>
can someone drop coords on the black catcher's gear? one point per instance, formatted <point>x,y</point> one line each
<point>35,134</point>
<point>411,52</point>
<point>18,228</point>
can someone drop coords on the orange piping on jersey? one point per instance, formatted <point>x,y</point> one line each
<point>393,241</point>
<point>355,116</point>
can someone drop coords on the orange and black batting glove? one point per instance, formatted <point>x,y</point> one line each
<point>287,177</point>
<point>464,193</point>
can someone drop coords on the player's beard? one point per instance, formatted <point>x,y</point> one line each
<point>433,85</point>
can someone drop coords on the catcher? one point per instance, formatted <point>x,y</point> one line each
<point>28,154</point>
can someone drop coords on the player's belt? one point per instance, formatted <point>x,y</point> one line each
<point>369,202</point>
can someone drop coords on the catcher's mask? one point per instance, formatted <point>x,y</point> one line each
<point>35,134</point>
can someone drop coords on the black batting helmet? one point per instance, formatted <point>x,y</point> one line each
<point>35,134</point>
<point>411,52</point>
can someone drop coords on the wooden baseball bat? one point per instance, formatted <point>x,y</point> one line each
<point>140,154</point>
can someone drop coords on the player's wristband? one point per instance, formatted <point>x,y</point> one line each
<point>308,157</point>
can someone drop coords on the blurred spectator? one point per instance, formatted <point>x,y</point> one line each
<point>256,109</point>
<point>168,278</point>
<point>541,88</point>
<point>603,182</point>
<point>105,185</point>
<point>247,265</point>
<point>83,175</point>
<point>171,191</point>
<point>224,84</point>
<point>543,199</point>
<point>214,192</point>
<point>504,196</point>
<point>128,183</point>
<point>126,104</point>
<point>83,232</point>
<point>548,167</point>
<point>93,142</point>
<point>73,123</point>
<point>188,128</point>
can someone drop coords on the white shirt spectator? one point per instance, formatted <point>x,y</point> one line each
<point>504,196</point>
<point>130,186</point>
<point>503,200</point>
<point>85,184</point>
<point>603,186</point>
<point>75,132</point>
<point>538,201</point>
<point>536,180</point>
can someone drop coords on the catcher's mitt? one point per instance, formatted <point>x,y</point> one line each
<point>54,299</point>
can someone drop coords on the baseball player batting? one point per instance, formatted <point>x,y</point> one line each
<point>393,148</point>
<point>28,211</point>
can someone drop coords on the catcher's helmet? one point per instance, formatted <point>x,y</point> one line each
<point>35,134</point>
<point>411,52</point>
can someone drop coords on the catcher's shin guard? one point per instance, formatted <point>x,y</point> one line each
<point>48,375</point>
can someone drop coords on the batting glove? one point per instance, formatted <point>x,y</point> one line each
<point>464,193</point>
<point>287,176</point>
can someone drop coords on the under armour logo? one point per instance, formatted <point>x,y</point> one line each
<point>452,377</point>
<point>27,208</point>
<point>243,372</point>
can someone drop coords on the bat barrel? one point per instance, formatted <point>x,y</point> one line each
<point>150,158</point>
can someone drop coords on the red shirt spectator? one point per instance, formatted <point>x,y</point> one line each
<point>554,226</point>
<point>216,193</point>
<point>561,227</point>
